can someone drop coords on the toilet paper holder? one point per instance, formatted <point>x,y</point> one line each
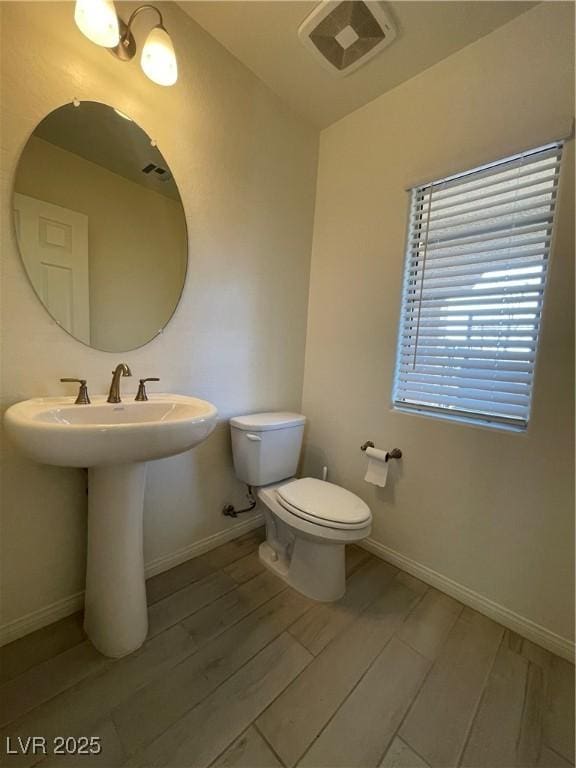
<point>395,453</point>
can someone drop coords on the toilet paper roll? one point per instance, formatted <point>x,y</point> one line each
<point>377,472</point>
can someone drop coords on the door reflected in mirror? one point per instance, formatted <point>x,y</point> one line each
<point>100,226</point>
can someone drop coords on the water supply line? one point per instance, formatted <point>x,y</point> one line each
<point>230,510</point>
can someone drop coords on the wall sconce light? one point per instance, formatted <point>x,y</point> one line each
<point>99,22</point>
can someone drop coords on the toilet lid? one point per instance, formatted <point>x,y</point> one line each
<point>325,501</point>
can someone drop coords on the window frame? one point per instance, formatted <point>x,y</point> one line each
<point>461,415</point>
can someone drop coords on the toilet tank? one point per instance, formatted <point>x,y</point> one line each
<point>266,446</point>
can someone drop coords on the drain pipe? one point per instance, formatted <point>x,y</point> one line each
<point>230,510</point>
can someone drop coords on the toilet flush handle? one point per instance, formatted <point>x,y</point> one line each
<point>254,438</point>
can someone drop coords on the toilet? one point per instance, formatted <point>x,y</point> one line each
<point>308,521</point>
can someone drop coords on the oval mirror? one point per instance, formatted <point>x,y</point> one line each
<point>100,226</point>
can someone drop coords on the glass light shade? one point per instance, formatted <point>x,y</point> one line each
<point>158,58</point>
<point>97,19</point>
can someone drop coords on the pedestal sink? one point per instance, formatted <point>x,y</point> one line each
<point>114,440</point>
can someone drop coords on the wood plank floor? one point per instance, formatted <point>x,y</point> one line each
<point>240,671</point>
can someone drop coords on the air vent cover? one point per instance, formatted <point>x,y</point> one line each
<point>345,34</point>
<point>160,173</point>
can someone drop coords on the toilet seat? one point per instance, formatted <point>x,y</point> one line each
<point>324,504</point>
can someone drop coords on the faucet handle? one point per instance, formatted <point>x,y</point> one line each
<point>141,394</point>
<point>83,398</point>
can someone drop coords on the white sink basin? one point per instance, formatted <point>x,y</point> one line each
<point>114,441</point>
<point>52,430</point>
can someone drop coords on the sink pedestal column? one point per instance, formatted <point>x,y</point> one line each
<point>116,616</point>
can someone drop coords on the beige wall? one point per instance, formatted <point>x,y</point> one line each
<point>491,510</point>
<point>136,242</point>
<point>245,166</point>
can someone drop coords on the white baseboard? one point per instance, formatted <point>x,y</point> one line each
<point>40,618</point>
<point>13,630</point>
<point>557,644</point>
<point>165,562</point>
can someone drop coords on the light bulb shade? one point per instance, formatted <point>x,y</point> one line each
<point>158,58</point>
<point>97,19</point>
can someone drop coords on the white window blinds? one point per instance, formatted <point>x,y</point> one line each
<point>476,263</point>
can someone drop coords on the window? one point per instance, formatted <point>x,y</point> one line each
<point>476,264</point>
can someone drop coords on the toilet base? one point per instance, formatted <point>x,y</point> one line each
<point>317,571</point>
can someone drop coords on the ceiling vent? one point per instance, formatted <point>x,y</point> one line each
<point>344,35</point>
<point>161,173</point>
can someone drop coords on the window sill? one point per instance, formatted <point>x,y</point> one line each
<point>461,420</point>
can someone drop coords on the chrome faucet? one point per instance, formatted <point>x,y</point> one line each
<point>114,394</point>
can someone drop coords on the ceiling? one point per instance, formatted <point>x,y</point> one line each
<point>104,136</point>
<point>264,37</point>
